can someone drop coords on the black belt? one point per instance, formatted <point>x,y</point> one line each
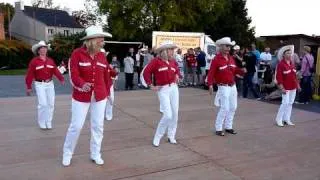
<point>46,81</point>
<point>226,84</point>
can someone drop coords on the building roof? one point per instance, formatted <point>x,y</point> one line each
<point>51,17</point>
<point>315,38</point>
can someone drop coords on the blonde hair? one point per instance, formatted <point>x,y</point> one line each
<point>92,45</point>
<point>164,54</point>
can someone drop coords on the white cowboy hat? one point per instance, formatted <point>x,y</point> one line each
<point>166,45</point>
<point>95,32</point>
<point>104,51</point>
<point>225,41</point>
<point>40,44</point>
<point>236,47</point>
<point>283,49</point>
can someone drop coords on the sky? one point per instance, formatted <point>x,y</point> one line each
<point>269,17</point>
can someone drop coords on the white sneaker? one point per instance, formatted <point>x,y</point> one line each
<point>279,123</point>
<point>99,161</point>
<point>172,140</point>
<point>66,161</point>
<point>290,123</point>
<point>49,126</point>
<point>156,141</point>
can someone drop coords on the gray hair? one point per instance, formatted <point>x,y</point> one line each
<point>164,54</point>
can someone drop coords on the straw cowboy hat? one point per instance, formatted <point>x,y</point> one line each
<point>166,45</point>
<point>40,44</point>
<point>95,32</point>
<point>283,49</point>
<point>225,41</point>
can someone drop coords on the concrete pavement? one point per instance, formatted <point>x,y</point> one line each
<point>260,150</point>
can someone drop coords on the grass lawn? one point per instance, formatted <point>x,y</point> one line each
<point>13,72</point>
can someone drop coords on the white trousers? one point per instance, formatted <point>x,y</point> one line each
<point>169,102</point>
<point>79,112</point>
<point>45,93</point>
<point>226,99</point>
<point>109,105</point>
<point>284,113</point>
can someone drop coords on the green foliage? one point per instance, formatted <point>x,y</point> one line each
<point>136,19</point>
<point>62,46</point>
<point>13,72</point>
<point>14,54</point>
<point>234,22</point>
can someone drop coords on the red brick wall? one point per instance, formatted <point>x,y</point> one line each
<point>2,33</point>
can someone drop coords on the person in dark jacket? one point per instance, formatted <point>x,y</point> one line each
<point>250,64</point>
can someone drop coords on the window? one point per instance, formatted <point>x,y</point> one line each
<point>66,32</point>
<point>50,31</point>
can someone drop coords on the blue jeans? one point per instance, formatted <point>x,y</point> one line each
<point>247,84</point>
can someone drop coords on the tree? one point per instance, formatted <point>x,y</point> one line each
<point>48,4</point>
<point>136,19</point>
<point>62,46</point>
<point>234,22</point>
<point>7,10</point>
<point>84,18</point>
<point>90,16</point>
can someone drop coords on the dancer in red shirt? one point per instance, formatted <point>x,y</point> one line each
<point>41,69</point>
<point>89,76</point>
<point>222,72</point>
<point>287,81</point>
<point>166,74</point>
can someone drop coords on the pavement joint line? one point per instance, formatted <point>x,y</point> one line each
<point>164,170</point>
<point>134,117</point>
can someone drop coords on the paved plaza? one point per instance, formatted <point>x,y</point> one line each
<point>260,151</point>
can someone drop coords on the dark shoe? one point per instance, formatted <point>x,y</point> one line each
<point>231,131</point>
<point>219,133</point>
<point>285,123</point>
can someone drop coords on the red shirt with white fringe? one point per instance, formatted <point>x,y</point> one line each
<point>165,72</point>
<point>84,69</point>
<point>286,75</point>
<point>42,70</point>
<point>223,71</point>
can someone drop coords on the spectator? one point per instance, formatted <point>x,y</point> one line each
<point>201,62</point>
<point>179,59</point>
<point>307,65</point>
<point>266,55</point>
<point>116,66</point>
<point>191,66</point>
<point>250,60</point>
<point>129,71</point>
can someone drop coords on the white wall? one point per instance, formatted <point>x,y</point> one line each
<point>57,30</point>
<point>27,29</point>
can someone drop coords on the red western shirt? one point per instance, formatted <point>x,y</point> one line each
<point>165,72</point>
<point>42,70</point>
<point>191,60</point>
<point>286,75</point>
<point>84,69</point>
<point>223,71</point>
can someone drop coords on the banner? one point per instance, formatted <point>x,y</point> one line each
<point>183,42</point>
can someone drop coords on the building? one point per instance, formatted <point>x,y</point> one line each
<point>31,24</point>
<point>298,40</point>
